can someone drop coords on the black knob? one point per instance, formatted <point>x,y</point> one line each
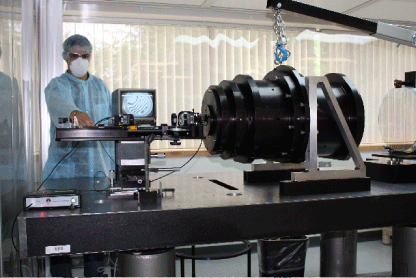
<point>62,120</point>
<point>174,119</point>
<point>175,143</point>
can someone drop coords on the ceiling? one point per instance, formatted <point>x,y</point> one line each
<point>387,10</point>
<point>251,12</point>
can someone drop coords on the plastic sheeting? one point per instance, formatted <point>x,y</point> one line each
<point>283,256</point>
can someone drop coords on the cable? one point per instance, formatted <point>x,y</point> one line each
<point>170,173</point>
<point>102,120</point>
<point>115,266</point>
<point>76,144</point>
<point>14,222</point>
<point>28,269</point>
<point>110,260</point>
<point>98,190</point>
<point>107,152</point>
<point>73,148</point>
<point>106,118</point>
<point>193,155</point>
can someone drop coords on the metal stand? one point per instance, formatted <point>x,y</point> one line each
<point>133,159</point>
<point>148,263</point>
<point>313,181</point>
<point>193,257</point>
<point>313,172</point>
<point>271,172</point>
<point>339,254</point>
<point>404,255</point>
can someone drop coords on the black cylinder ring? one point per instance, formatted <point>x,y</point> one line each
<point>281,96</point>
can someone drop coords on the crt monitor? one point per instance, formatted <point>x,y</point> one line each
<point>139,102</point>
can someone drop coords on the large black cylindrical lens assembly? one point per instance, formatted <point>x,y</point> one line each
<point>246,119</point>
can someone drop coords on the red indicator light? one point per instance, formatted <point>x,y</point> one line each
<point>42,214</point>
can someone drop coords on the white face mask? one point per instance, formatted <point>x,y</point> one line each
<point>79,67</point>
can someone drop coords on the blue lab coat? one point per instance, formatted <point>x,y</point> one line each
<point>65,94</point>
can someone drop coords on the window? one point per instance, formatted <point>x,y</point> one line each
<point>181,62</point>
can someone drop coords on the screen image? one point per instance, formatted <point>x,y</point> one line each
<point>140,104</point>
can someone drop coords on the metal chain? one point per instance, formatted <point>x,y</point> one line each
<point>281,53</point>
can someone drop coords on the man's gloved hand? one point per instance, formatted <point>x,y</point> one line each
<point>83,118</point>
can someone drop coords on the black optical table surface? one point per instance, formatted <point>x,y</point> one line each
<point>203,212</point>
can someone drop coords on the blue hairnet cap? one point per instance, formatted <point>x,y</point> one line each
<point>74,43</point>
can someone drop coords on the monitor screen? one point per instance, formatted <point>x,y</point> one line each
<point>140,104</point>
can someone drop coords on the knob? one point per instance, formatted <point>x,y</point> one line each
<point>175,143</point>
<point>174,119</point>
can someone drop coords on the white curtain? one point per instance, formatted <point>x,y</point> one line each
<point>181,62</point>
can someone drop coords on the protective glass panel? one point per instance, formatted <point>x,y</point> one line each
<point>397,118</point>
<point>17,156</point>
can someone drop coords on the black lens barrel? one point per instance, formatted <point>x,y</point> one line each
<point>269,119</point>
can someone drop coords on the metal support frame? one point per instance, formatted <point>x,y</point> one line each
<point>404,240</point>
<point>338,254</point>
<point>379,29</point>
<point>271,166</point>
<point>394,33</point>
<point>194,258</point>
<point>147,162</point>
<point>147,263</point>
<point>312,171</point>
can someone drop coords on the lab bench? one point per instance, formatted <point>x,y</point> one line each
<point>205,208</point>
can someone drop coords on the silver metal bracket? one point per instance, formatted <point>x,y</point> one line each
<point>312,171</point>
<point>271,166</point>
<point>394,33</point>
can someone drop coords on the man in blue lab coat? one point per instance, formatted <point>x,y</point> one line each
<point>85,99</point>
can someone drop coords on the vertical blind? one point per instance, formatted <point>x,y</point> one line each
<point>181,62</point>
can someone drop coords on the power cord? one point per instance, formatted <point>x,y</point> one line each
<point>76,144</point>
<point>27,268</point>
<point>107,118</point>
<point>95,181</point>
<point>112,159</point>
<point>170,173</point>
<point>104,119</point>
<point>73,148</point>
<point>14,222</point>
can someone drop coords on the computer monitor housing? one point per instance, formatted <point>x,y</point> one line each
<point>139,102</point>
